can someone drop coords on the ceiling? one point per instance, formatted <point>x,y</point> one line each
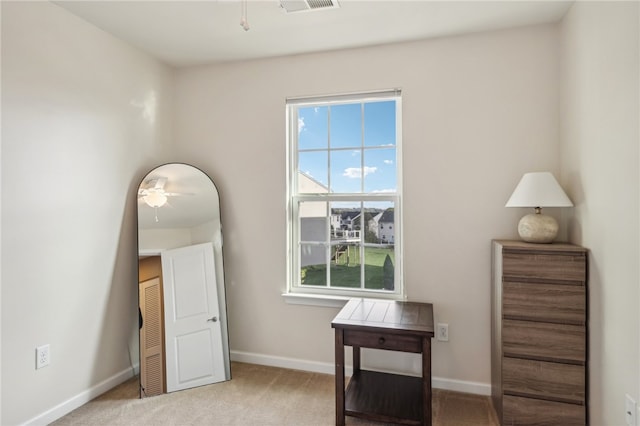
<point>185,33</point>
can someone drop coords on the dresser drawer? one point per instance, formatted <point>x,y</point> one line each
<point>388,341</point>
<point>544,341</point>
<point>536,412</point>
<point>569,267</point>
<point>544,302</point>
<point>546,380</point>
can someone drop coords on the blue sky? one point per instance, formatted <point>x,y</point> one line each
<point>345,136</point>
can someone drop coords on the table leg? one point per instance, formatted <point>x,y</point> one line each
<point>426,381</point>
<point>356,359</point>
<point>339,349</point>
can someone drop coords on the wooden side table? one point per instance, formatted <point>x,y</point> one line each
<point>389,325</point>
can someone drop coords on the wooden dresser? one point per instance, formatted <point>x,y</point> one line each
<point>539,333</point>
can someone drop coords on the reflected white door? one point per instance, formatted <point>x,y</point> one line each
<point>194,353</point>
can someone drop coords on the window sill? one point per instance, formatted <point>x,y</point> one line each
<point>315,300</point>
<point>325,300</point>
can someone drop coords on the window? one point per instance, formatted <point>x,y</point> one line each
<point>344,186</point>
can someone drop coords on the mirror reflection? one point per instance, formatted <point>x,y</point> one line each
<point>182,306</point>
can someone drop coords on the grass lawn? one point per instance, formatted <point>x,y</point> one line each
<point>348,275</point>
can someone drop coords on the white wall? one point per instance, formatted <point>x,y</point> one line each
<point>600,170</point>
<point>478,112</point>
<point>154,239</point>
<point>169,238</point>
<point>84,116</point>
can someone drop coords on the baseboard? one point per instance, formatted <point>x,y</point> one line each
<point>283,362</point>
<point>82,398</point>
<point>477,388</point>
<point>329,368</point>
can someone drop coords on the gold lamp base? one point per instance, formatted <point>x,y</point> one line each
<point>538,228</point>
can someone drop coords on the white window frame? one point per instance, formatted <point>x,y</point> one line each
<point>334,296</point>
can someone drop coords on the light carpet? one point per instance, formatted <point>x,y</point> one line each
<point>258,395</point>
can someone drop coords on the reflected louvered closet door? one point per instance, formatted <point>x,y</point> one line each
<point>151,336</point>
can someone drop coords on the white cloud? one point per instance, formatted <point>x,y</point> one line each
<point>300,124</point>
<point>388,161</point>
<point>356,172</point>
<point>384,190</point>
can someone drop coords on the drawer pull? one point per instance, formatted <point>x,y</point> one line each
<point>381,340</point>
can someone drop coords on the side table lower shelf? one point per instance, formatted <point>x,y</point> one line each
<point>384,397</point>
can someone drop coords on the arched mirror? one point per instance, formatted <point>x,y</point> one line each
<point>183,321</point>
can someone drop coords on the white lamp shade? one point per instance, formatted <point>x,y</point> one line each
<point>538,189</point>
<point>155,199</point>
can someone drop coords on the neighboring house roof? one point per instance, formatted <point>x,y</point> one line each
<point>350,215</point>
<point>387,216</point>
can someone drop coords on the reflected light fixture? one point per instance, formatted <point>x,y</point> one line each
<point>537,190</point>
<point>155,199</point>
<point>244,23</point>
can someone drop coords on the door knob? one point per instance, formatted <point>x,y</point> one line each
<point>213,319</point>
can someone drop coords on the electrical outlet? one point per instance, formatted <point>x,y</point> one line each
<point>443,332</point>
<point>43,356</point>
<point>630,411</point>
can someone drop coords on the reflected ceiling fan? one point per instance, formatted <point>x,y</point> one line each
<point>154,195</point>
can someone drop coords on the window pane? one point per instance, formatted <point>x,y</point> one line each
<point>345,264</point>
<point>346,126</point>
<point>379,268</point>
<point>313,264</point>
<point>313,221</point>
<point>346,171</point>
<point>379,251</point>
<point>383,175</point>
<point>344,219</point>
<point>313,128</point>
<point>345,244</point>
<point>313,176</point>
<point>380,123</point>
<point>313,242</point>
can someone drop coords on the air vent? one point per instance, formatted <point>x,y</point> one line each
<point>291,6</point>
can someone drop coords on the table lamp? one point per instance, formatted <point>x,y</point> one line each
<point>537,190</point>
